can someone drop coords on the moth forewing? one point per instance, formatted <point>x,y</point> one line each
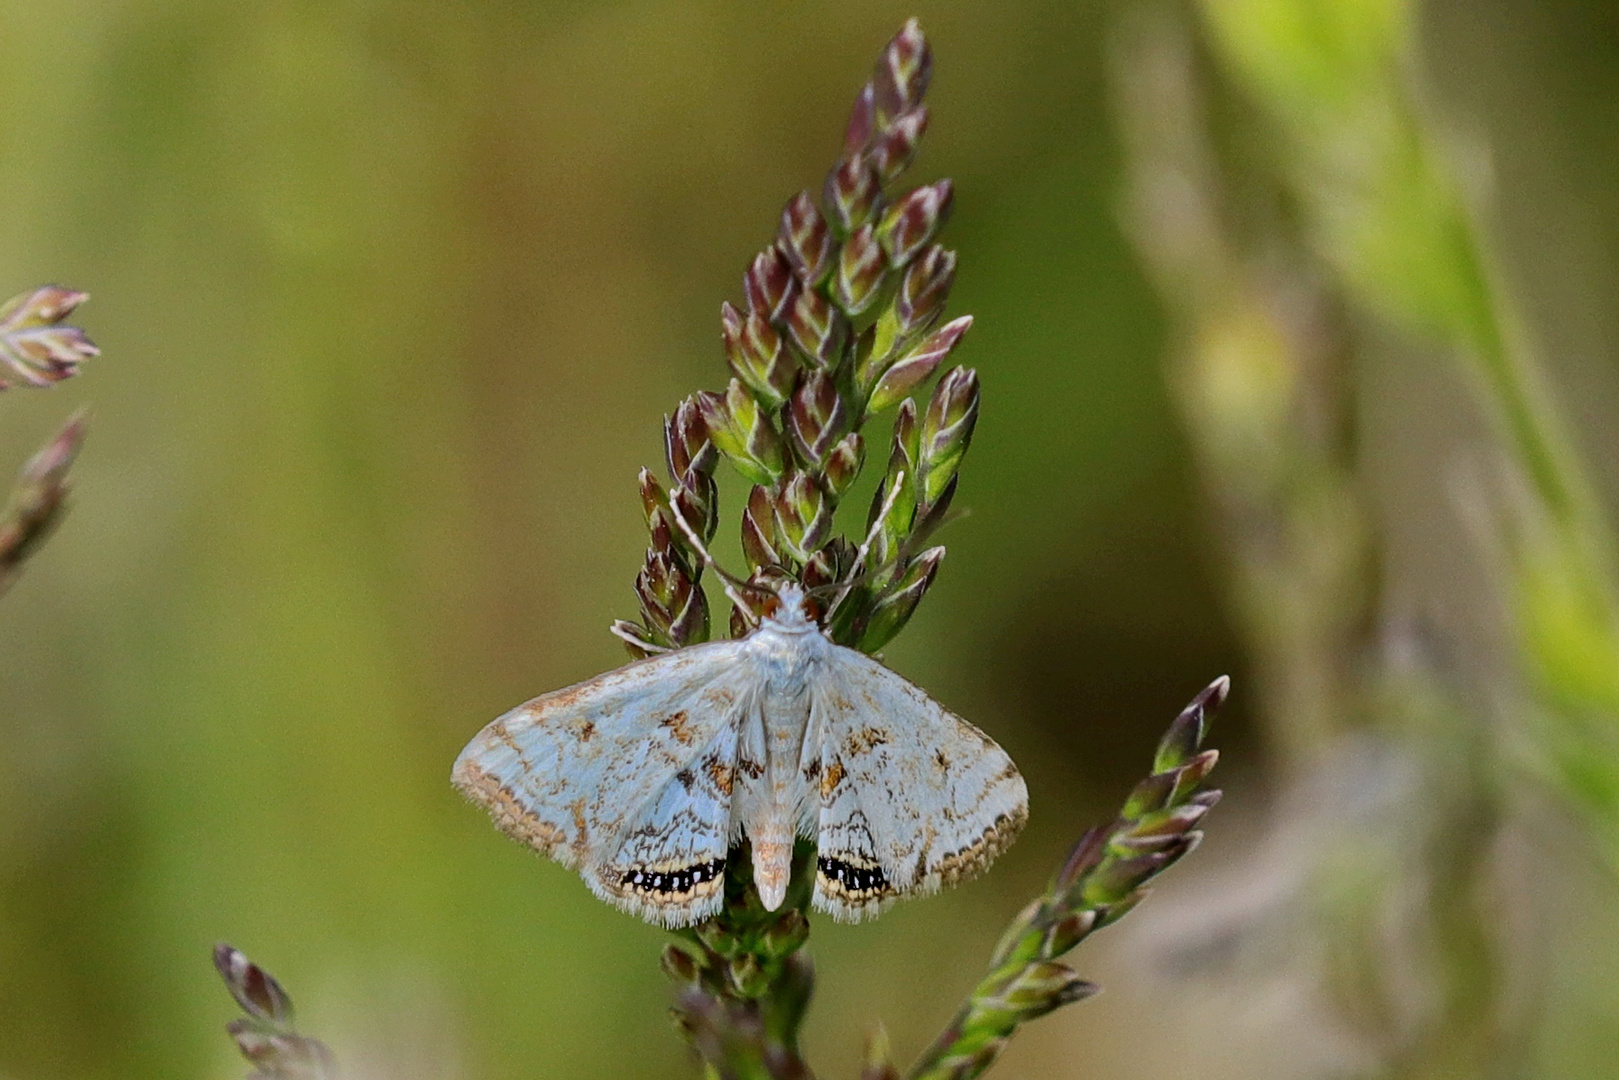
<point>590,774</point>
<point>912,797</point>
<point>670,866</point>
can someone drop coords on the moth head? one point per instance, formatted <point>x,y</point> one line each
<point>785,602</point>
<point>789,605</point>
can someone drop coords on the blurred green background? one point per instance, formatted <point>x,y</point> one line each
<point>392,298</point>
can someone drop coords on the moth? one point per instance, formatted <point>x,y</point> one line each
<point>643,779</point>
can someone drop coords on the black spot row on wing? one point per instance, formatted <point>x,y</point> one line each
<point>669,882</point>
<point>854,879</point>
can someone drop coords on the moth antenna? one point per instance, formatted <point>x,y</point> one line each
<point>625,632</point>
<point>728,581</point>
<point>865,545</point>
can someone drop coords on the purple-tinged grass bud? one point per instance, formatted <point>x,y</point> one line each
<point>902,458</point>
<point>743,433</point>
<point>687,449</point>
<point>310,1059</point>
<point>893,151</point>
<point>757,355</point>
<point>819,331</point>
<point>979,1060</point>
<point>257,1045</point>
<point>43,306</point>
<point>859,276</point>
<point>759,543</point>
<point>637,639</point>
<point>843,464</point>
<point>1173,821</point>
<point>1039,988</point>
<point>694,1018</point>
<point>1150,795</point>
<point>919,302</point>
<point>862,121</point>
<point>660,586</point>
<point>803,516</point>
<point>679,964</point>
<point>667,538</point>
<point>1108,914</point>
<point>806,240</point>
<point>1067,932</point>
<point>1083,857</point>
<point>898,601</point>
<point>282,1055</point>
<point>903,72</point>
<point>815,417</point>
<point>37,350</point>
<point>932,515</point>
<point>910,224</point>
<point>718,937</point>
<point>1118,878</point>
<point>743,623</point>
<point>749,976</point>
<point>904,447</point>
<point>1015,940</point>
<point>853,193</point>
<point>865,361</point>
<point>673,606</point>
<point>878,1062</point>
<point>1193,773</point>
<point>914,368</point>
<point>38,497</point>
<point>44,355</point>
<point>698,505</point>
<point>1180,743</point>
<point>769,284</point>
<point>784,936</point>
<point>947,431</point>
<point>254,989</point>
<point>830,564</point>
<point>820,570</point>
<point>654,500</point>
<point>1173,845</point>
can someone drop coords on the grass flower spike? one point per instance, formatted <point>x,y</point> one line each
<point>725,789</point>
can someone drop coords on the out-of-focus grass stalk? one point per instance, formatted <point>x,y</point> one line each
<point>1261,371</point>
<point>1468,1030</point>
<point>1258,374</point>
<point>1383,206</point>
<point>265,1033</point>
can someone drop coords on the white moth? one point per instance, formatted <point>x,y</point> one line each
<point>643,779</point>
